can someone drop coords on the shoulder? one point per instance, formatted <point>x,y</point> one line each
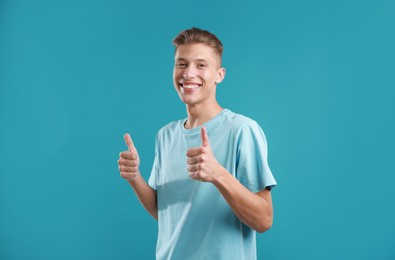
<point>170,128</point>
<point>245,130</point>
<point>239,122</point>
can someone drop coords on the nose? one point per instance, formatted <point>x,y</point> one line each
<point>189,73</point>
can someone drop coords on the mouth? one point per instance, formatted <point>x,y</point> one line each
<point>189,85</point>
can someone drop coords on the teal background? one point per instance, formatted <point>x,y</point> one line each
<point>76,75</point>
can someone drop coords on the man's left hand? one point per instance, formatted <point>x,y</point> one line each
<point>202,164</point>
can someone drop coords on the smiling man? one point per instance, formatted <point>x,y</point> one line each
<point>210,183</point>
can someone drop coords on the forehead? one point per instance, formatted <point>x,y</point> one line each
<point>196,51</point>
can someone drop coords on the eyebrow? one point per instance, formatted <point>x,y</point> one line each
<point>182,59</point>
<point>203,60</point>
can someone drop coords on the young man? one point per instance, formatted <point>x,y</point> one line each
<point>210,183</point>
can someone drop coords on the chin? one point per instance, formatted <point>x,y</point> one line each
<point>188,101</point>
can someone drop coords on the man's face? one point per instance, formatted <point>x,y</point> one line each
<point>196,73</point>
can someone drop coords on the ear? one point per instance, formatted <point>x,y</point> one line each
<point>221,75</point>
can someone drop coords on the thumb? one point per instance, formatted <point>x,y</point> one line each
<point>204,136</point>
<point>129,142</point>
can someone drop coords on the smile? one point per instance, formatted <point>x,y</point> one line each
<point>190,86</point>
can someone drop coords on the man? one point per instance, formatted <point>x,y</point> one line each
<point>210,183</point>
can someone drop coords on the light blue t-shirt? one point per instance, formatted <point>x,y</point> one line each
<point>194,220</point>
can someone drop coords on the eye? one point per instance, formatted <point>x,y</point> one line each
<point>202,65</point>
<point>180,65</point>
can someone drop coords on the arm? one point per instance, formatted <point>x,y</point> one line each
<point>128,165</point>
<point>145,194</point>
<point>253,209</point>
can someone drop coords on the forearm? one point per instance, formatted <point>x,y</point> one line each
<point>253,209</point>
<point>146,195</point>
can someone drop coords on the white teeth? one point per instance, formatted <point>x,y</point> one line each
<point>190,86</point>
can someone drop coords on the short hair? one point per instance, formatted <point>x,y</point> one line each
<point>197,35</point>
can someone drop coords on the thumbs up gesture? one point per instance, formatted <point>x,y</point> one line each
<point>202,164</point>
<point>129,161</point>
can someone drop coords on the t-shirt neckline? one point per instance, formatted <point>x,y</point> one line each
<point>206,124</point>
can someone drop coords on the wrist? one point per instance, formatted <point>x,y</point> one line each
<point>220,176</point>
<point>132,179</point>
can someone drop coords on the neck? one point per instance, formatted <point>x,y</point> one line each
<point>200,114</point>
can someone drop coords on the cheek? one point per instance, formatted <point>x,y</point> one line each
<point>177,74</point>
<point>210,76</point>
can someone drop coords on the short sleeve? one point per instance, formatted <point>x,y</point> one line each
<point>153,179</point>
<point>252,168</point>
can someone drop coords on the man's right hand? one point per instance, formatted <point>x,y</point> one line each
<point>129,161</point>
